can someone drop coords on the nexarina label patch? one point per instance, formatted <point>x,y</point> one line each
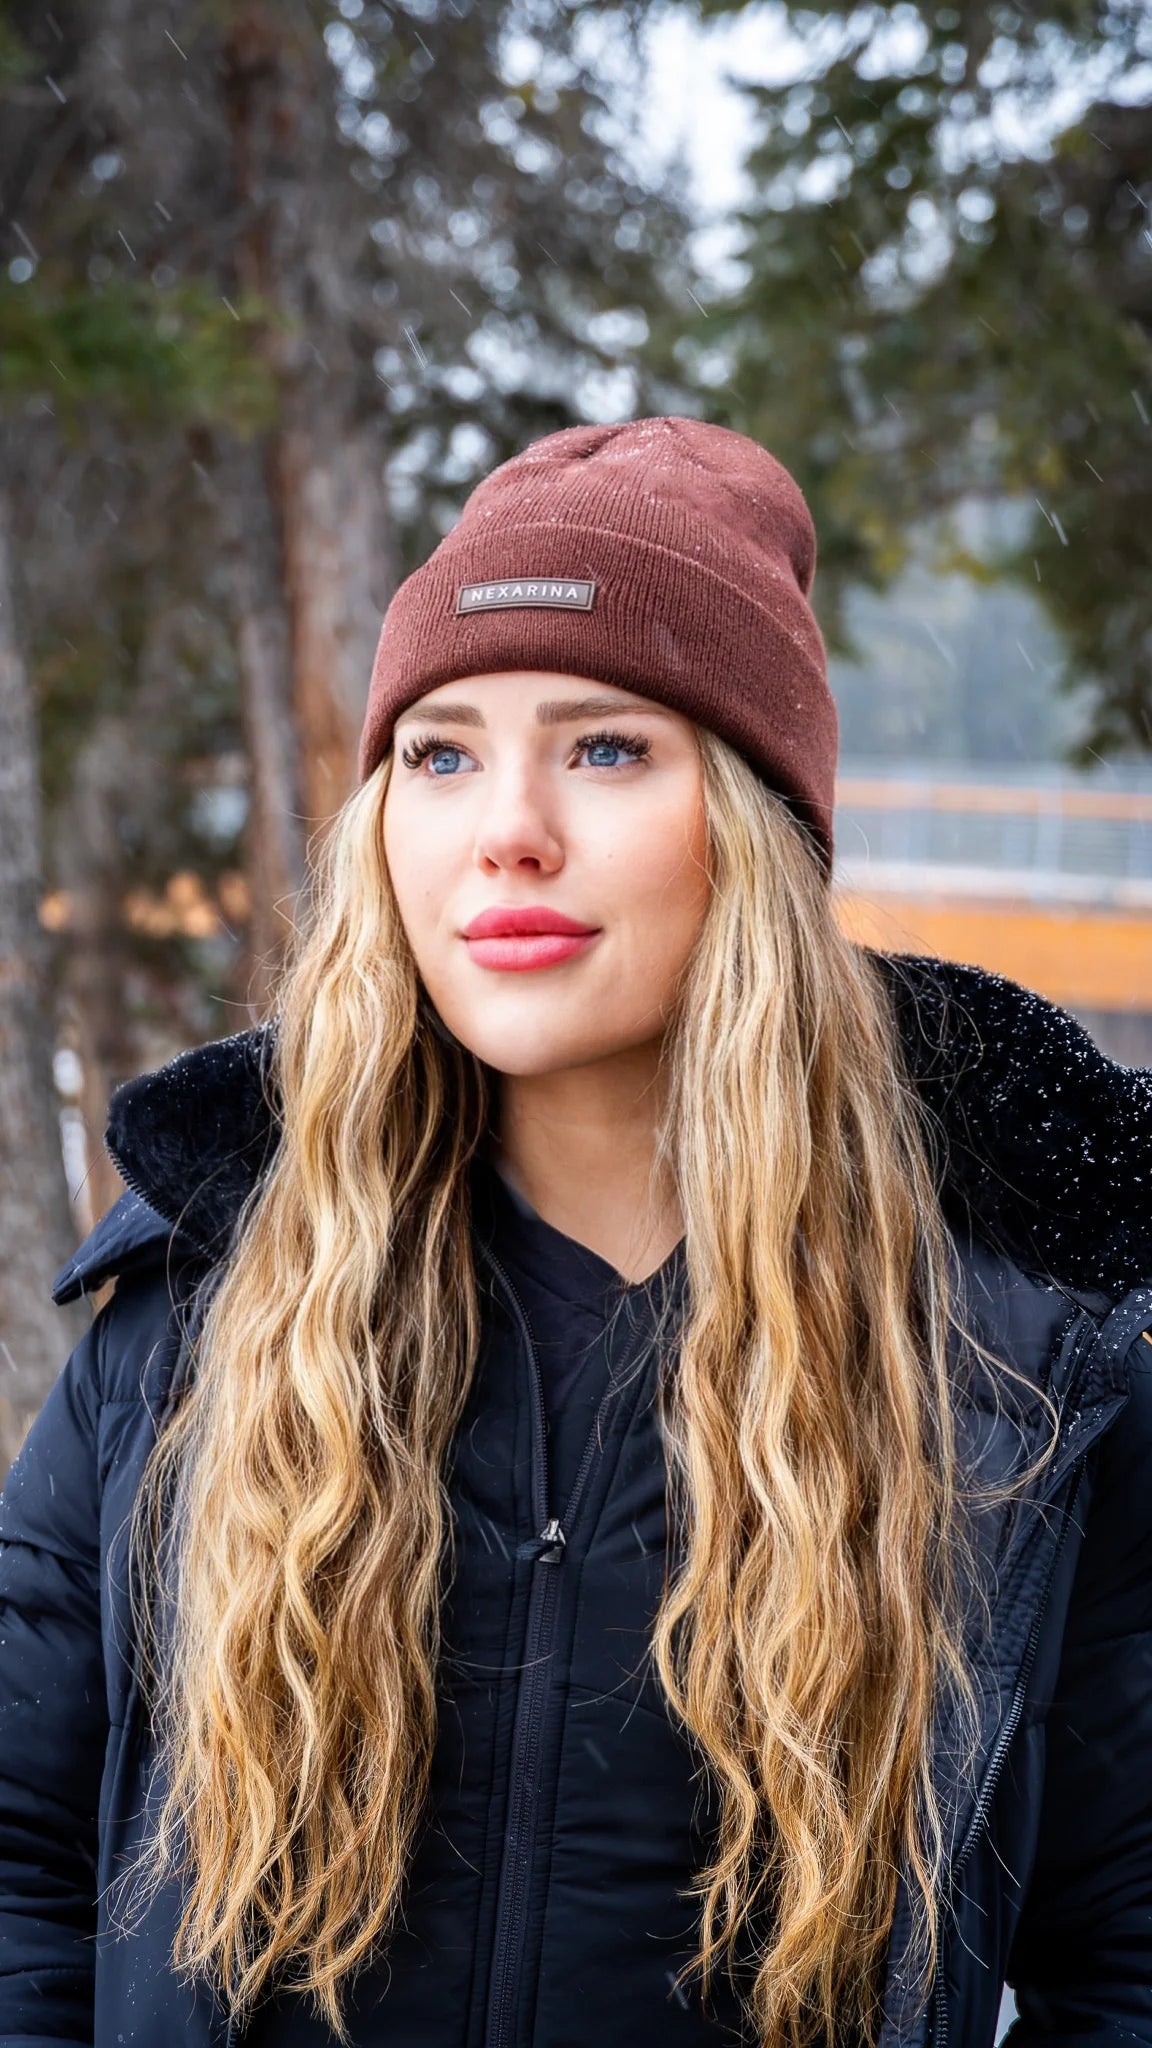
<point>571,593</point>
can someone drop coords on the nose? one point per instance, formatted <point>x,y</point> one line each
<point>517,826</point>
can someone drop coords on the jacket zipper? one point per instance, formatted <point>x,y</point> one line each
<point>1000,1749</point>
<point>545,1549</point>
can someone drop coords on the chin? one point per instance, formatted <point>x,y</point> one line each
<point>531,1050</point>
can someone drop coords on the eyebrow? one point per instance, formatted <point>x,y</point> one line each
<point>555,711</point>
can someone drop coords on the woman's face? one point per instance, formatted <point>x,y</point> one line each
<point>531,790</point>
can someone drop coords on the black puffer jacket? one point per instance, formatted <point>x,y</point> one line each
<point>543,1909</point>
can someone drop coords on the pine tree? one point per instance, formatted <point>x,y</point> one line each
<point>947,292</point>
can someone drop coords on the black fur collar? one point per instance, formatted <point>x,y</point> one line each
<point>1044,1145</point>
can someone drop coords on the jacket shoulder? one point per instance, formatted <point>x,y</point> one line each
<point>1043,1143</point>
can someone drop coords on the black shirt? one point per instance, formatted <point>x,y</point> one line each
<point>589,1326</point>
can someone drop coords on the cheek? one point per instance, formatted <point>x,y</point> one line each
<point>662,888</point>
<point>414,855</point>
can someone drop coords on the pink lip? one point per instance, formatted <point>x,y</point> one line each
<point>516,952</point>
<point>508,920</point>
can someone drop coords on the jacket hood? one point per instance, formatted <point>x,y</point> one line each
<point>1042,1144</point>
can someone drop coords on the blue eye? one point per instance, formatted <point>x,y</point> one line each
<point>611,746</point>
<point>633,745</point>
<point>412,756</point>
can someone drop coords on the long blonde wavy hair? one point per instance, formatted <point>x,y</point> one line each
<point>294,1510</point>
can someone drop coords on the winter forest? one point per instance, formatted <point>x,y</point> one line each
<point>282,279</point>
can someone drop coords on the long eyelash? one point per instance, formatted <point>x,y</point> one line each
<point>634,743</point>
<point>420,749</point>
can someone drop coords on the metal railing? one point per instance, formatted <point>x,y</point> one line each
<point>1037,835</point>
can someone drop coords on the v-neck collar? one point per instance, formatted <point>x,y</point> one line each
<point>569,1269</point>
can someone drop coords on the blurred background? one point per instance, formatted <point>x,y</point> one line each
<point>280,283</point>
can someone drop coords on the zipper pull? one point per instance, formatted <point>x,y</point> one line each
<point>547,1547</point>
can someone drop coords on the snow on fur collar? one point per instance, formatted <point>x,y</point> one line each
<point>1043,1144</point>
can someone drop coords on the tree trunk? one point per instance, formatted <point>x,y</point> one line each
<point>90,863</point>
<point>331,499</point>
<point>303,226</point>
<point>36,1225</point>
<point>275,832</point>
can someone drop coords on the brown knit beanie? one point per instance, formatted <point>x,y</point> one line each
<point>665,555</point>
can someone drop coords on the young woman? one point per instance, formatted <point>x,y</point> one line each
<point>609,1502</point>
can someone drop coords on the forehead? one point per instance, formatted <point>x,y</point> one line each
<point>555,698</point>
